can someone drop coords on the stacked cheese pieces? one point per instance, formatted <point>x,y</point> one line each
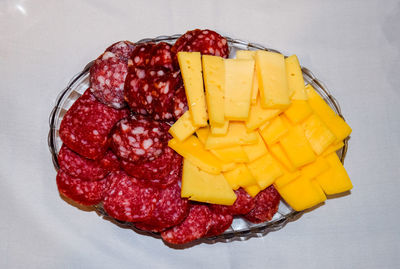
<point>251,123</point>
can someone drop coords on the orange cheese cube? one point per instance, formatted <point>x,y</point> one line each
<point>252,190</point>
<point>314,169</point>
<point>316,132</point>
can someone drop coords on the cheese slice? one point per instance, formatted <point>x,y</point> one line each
<point>198,185</point>
<point>238,85</point>
<point>240,177</point>
<point>183,127</point>
<point>265,170</point>
<point>250,55</point>
<point>318,134</point>
<point>214,82</point>
<point>298,111</point>
<point>220,130</point>
<point>235,154</point>
<point>190,65</point>
<point>253,190</point>
<point>274,131</point>
<point>237,135</point>
<point>259,115</point>
<point>295,78</point>
<point>256,150</point>
<point>272,80</point>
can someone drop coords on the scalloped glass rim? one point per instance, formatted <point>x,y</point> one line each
<point>240,228</point>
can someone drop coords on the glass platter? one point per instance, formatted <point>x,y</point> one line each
<point>240,228</point>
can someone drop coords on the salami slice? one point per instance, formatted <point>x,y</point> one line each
<point>219,223</point>
<point>122,49</point>
<point>139,138</point>
<point>86,126</point>
<point>107,79</point>
<point>266,205</point>
<point>151,54</point>
<point>83,168</point>
<point>81,191</point>
<point>183,40</point>
<point>110,162</point>
<point>170,210</point>
<point>127,200</point>
<point>194,226</point>
<point>243,204</point>
<point>151,92</point>
<point>180,102</point>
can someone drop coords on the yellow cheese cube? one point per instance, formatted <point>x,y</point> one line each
<point>236,135</point>
<point>220,130</point>
<point>335,179</point>
<point>298,111</point>
<point>256,150</point>
<point>265,170</point>
<point>252,190</point>
<point>275,130</point>
<point>238,84</point>
<point>183,127</point>
<point>240,176</point>
<point>314,169</point>
<point>190,65</point>
<point>231,154</point>
<point>202,134</point>
<point>272,81</point>
<point>333,148</point>
<point>334,122</point>
<point>279,154</point>
<point>259,115</point>
<point>198,185</point>
<point>297,148</point>
<point>295,78</point>
<point>193,150</point>
<point>316,132</point>
<point>214,82</point>
<point>250,54</point>
<point>301,194</point>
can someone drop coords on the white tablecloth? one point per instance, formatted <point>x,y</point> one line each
<point>353,46</point>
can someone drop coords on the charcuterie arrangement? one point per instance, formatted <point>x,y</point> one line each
<point>180,139</point>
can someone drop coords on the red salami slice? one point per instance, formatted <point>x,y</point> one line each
<point>81,191</point>
<point>180,103</point>
<point>193,227</point>
<point>170,210</point>
<point>266,205</point>
<point>243,204</point>
<point>122,49</point>
<point>151,92</point>
<point>86,126</point>
<point>219,223</point>
<point>107,79</point>
<point>127,200</point>
<point>152,55</point>
<point>139,138</point>
<point>182,41</point>
<point>83,168</point>
<point>110,162</point>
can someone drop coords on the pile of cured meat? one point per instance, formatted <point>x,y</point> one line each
<point>115,148</point>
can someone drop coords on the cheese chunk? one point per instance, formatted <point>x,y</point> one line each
<point>298,111</point>
<point>256,150</point>
<point>214,82</point>
<point>231,154</point>
<point>295,78</point>
<point>316,132</point>
<point>193,150</point>
<point>286,178</point>
<point>183,127</point>
<point>198,185</point>
<point>236,135</point>
<point>275,130</point>
<point>259,115</point>
<point>314,169</point>
<point>301,193</point>
<point>250,55</point>
<point>265,170</point>
<point>240,177</point>
<point>272,81</point>
<point>238,85</point>
<point>190,65</point>
<point>252,190</point>
<point>279,154</point>
<point>334,122</point>
<point>220,130</point>
<point>335,179</point>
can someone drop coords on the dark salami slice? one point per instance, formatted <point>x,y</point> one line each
<point>180,102</point>
<point>266,205</point>
<point>194,226</point>
<point>184,39</point>
<point>152,55</point>
<point>162,171</point>
<point>243,204</point>
<point>170,210</point>
<point>122,49</point>
<point>219,223</point>
<point>81,191</point>
<point>151,92</point>
<point>86,126</point>
<point>107,79</point>
<point>127,200</point>
<point>141,55</point>
<point>83,168</point>
<point>139,138</point>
